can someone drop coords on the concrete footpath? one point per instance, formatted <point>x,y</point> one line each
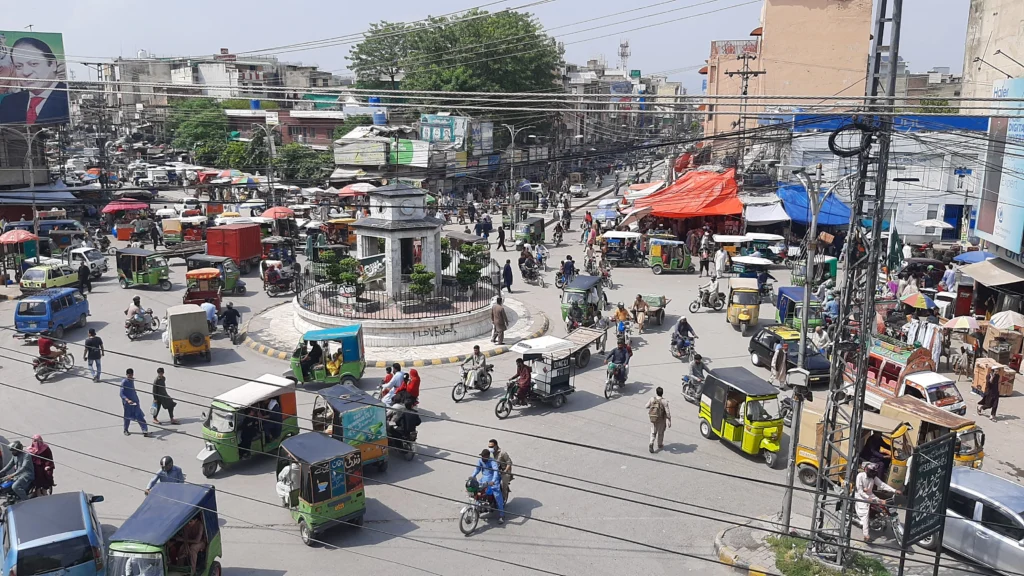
<point>744,548</point>
<point>10,292</point>
<point>272,332</point>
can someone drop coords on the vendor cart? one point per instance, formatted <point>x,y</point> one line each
<point>655,308</point>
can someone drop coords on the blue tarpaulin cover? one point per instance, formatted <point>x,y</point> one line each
<point>794,199</point>
<point>167,508</point>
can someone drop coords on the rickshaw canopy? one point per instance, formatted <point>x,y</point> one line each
<point>744,381</point>
<point>314,447</point>
<point>137,252</point>
<point>583,283</point>
<point>277,240</point>
<point>666,242</point>
<point>263,388</point>
<point>731,239</point>
<point>202,274</point>
<point>620,235</point>
<point>743,284</point>
<point>763,237</point>
<point>343,398</point>
<point>207,259</point>
<point>169,506</point>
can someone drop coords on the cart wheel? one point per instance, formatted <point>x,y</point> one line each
<point>382,466</point>
<point>583,358</point>
<point>459,392</point>
<point>808,475</point>
<point>165,285</point>
<point>657,269</point>
<point>559,401</point>
<point>215,568</point>
<point>694,307</point>
<point>305,533</point>
<point>210,469</point>
<point>122,283</point>
<point>503,409</point>
<point>770,458</point>
<point>485,382</point>
<point>705,429</point>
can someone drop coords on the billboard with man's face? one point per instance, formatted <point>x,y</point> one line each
<point>33,78</point>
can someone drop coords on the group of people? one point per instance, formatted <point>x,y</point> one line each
<point>30,469</point>
<point>494,467</point>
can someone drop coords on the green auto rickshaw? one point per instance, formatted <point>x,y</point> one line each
<point>825,268</point>
<point>355,417</point>
<point>669,256</point>
<point>742,409</point>
<point>529,231</point>
<point>586,294</point>
<point>260,412</point>
<point>789,304</point>
<point>320,480</point>
<point>330,356</point>
<point>153,540</point>
<point>229,271</point>
<point>139,267</point>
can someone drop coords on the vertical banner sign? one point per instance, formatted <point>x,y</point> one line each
<point>929,483</point>
<point>38,94</point>
<point>1001,218</point>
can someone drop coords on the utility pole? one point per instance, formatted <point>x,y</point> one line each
<point>513,132</point>
<point>839,461</point>
<point>269,131</point>
<point>745,75</point>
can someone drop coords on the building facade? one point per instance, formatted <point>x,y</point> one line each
<point>992,25</point>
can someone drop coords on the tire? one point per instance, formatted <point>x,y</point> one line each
<point>503,409</point>
<point>468,520</point>
<point>305,533</point>
<point>58,332</point>
<point>68,361</point>
<point>583,358</point>
<point>358,522</point>
<point>245,267</point>
<point>196,339</point>
<point>239,290</point>
<point>349,381</point>
<point>155,325</point>
<point>705,429</point>
<point>718,305</point>
<point>165,285</point>
<point>458,392</point>
<point>215,568</point>
<point>770,458</point>
<point>657,269</point>
<point>929,543</point>
<point>808,475</point>
<point>208,356</point>
<point>122,283</point>
<point>744,326</point>
<point>608,389</point>
<point>210,469</point>
<point>82,321</point>
<point>382,466</point>
<point>558,281</point>
<point>485,382</point>
<point>559,401</point>
<point>690,269</point>
<point>410,452</point>
<point>754,359</point>
<point>694,307</point>
<point>176,360</point>
<point>41,374</point>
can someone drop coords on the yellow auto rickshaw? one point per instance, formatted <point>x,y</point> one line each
<point>894,444</point>
<point>188,332</point>
<point>339,231</point>
<point>743,410</point>
<point>744,303</point>
<point>930,423</point>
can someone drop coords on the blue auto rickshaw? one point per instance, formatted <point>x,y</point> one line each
<point>789,304</point>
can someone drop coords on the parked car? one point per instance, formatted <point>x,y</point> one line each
<point>92,257</point>
<point>984,520</point>
<point>56,534</point>
<point>762,348</point>
<point>39,278</point>
<point>579,191</point>
<point>51,312</point>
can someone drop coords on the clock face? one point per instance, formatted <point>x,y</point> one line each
<point>408,207</point>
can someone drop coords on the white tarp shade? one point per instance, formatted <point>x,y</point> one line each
<point>994,272</point>
<point>764,214</point>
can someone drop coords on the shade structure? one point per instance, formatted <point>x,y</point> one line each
<point>934,223</point>
<point>230,173</point>
<point>635,215</point>
<point>1006,320</point>
<point>357,189</point>
<point>797,204</point>
<point>124,205</point>
<point>961,323</point>
<point>918,300</point>
<point>278,212</point>
<point>973,257</point>
<point>765,214</point>
<point>17,236</point>
<point>247,181</point>
<point>696,193</point>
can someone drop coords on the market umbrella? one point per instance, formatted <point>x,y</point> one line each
<point>962,323</point>
<point>636,215</point>
<point>244,180</point>
<point>278,212</point>
<point>17,236</point>
<point>934,223</point>
<point>1006,320</point>
<point>231,173</point>
<point>128,204</point>
<point>918,300</point>
<point>973,257</point>
<point>357,189</point>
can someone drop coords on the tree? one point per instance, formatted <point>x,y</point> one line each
<point>234,155</point>
<point>472,262</point>
<point>349,124</point>
<point>297,162</point>
<point>241,104</point>
<point>934,106</point>
<point>380,55</point>
<point>422,281</point>
<point>195,122</point>
<point>343,272</point>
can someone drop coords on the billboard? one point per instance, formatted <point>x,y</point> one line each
<point>1001,214</point>
<point>410,153</point>
<point>361,153</point>
<point>438,128</point>
<point>37,94</point>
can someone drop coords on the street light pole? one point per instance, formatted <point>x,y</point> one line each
<point>29,139</point>
<point>271,193</point>
<point>513,132</point>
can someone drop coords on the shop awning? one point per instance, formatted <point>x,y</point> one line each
<point>764,214</point>
<point>696,193</point>
<point>995,272</point>
<point>41,198</point>
<point>794,199</point>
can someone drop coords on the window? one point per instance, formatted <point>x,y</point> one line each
<point>933,213</point>
<point>78,297</point>
<point>58,304</point>
<point>312,132</point>
<point>961,504</point>
<point>1001,523</point>
<point>295,130</point>
<point>55,556</point>
<point>31,308</point>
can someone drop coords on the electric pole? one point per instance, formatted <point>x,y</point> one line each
<point>745,75</point>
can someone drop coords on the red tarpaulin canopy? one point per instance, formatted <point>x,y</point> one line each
<point>124,205</point>
<point>16,236</point>
<point>696,194</point>
<point>278,212</point>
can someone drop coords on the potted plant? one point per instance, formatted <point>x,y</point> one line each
<point>422,283</point>
<point>470,266</point>
<point>344,273</point>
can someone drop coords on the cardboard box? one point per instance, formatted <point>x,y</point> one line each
<point>982,368</point>
<point>1012,337</point>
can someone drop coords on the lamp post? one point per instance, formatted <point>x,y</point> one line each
<point>29,138</point>
<point>513,132</point>
<point>269,131</point>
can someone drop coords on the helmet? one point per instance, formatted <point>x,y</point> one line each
<point>682,319</point>
<point>472,485</point>
<point>231,304</point>
<point>621,305</point>
<point>166,463</point>
<point>871,469</point>
<point>16,446</point>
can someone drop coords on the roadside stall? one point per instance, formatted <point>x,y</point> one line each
<point>122,213</point>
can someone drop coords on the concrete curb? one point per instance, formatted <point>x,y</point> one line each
<point>418,363</point>
<point>727,555</point>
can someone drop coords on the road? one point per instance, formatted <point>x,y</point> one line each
<point>587,498</point>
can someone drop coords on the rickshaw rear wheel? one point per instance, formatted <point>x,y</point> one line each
<point>705,429</point>
<point>215,568</point>
<point>165,285</point>
<point>122,283</point>
<point>808,475</point>
<point>770,458</point>
<point>503,409</point>
<point>208,355</point>
<point>210,469</point>
<point>245,267</point>
<point>382,466</point>
<point>239,290</point>
<point>357,521</point>
<point>559,401</point>
<point>657,269</point>
<point>690,269</point>
<point>305,533</point>
<point>583,358</point>
<point>348,381</point>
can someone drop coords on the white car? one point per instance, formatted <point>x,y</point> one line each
<point>579,191</point>
<point>536,188</point>
<point>92,257</point>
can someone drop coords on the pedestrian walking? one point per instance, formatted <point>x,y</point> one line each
<point>93,352</point>
<point>154,235</point>
<point>161,399</point>
<point>130,403</point>
<point>705,262</point>
<point>506,276</point>
<point>721,261</point>
<point>501,238</point>
<point>661,418</point>
<point>84,282</point>
<point>779,365</point>
<point>500,321</point>
<point>990,400</point>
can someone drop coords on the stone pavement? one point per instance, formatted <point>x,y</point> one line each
<point>10,292</point>
<point>744,548</point>
<point>273,333</point>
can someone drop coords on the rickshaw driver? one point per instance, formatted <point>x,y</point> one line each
<point>477,364</point>
<point>487,469</point>
<point>312,358</point>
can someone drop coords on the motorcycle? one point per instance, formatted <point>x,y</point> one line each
<point>561,281</point>
<point>615,377</point>
<point>403,443</point>
<point>882,515</point>
<point>786,411</point>
<point>590,265</point>
<point>684,352</point>
<point>102,242</point>
<point>480,504</point>
<point>557,237</point>
<point>768,292</point>
<point>532,275</point>
<point>706,300</point>
<point>44,367</point>
<point>624,329</point>
<point>483,382</point>
<point>280,287</point>
<point>136,328</point>
<point>691,389</point>
<point>232,331</point>
<point>606,277</point>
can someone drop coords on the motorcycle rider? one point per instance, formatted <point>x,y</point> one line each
<point>49,349</point>
<point>559,231</point>
<point>683,331</point>
<point>230,317</point>
<point>621,315</point>
<point>404,424</point>
<point>504,466</point>
<point>477,366</point>
<point>568,269</point>
<point>487,469</point>
<point>619,356</point>
<point>708,293</point>
<point>20,469</point>
<point>135,313</point>
<point>831,308</point>
<point>168,473</point>
<point>524,382</point>
<point>697,372</point>
<point>762,279</point>
<point>867,482</point>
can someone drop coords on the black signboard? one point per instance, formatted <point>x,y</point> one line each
<point>930,472</point>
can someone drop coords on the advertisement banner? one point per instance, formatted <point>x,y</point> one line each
<point>361,153</point>
<point>411,153</point>
<point>1001,214</point>
<point>436,128</point>
<point>476,138</point>
<point>372,268</point>
<point>486,138</point>
<point>39,94</point>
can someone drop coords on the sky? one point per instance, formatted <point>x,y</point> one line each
<point>933,31</point>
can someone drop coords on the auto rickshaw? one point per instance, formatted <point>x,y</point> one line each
<point>742,409</point>
<point>63,240</point>
<point>789,304</point>
<point>339,231</point>
<point>744,303</point>
<point>228,419</point>
<point>280,249</point>
<point>151,540</point>
<point>343,344</point>
<point>616,247</point>
<point>825,268</point>
<point>325,483</point>
<point>230,274</point>
<point>895,444</point>
<point>184,229</point>
<point>188,333</point>
<point>669,256</point>
<point>203,284</point>
<point>139,267</point>
<point>588,293</point>
<point>529,231</point>
<point>930,422</point>
<point>348,414</point>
